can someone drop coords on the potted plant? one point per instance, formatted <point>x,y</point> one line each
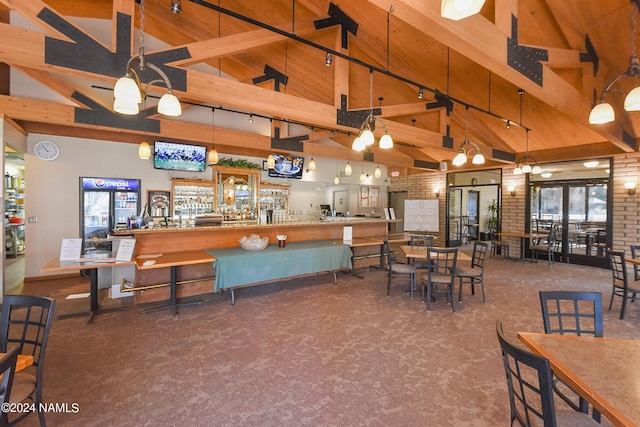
<point>494,218</point>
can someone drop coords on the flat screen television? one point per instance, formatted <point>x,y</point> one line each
<point>287,166</point>
<point>179,157</point>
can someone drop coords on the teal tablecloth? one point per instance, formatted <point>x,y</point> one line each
<point>236,266</point>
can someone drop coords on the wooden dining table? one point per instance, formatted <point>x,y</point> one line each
<point>604,371</point>
<point>420,252</point>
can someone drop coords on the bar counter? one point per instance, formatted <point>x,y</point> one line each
<point>227,235</point>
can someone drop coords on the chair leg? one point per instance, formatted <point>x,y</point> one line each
<point>412,283</point>
<point>484,300</point>
<point>460,291</point>
<point>428,296</point>
<point>451,292</point>
<point>624,305</point>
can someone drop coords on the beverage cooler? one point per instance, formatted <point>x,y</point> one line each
<point>106,203</point>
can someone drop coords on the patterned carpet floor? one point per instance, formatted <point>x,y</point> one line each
<point>305,352</point>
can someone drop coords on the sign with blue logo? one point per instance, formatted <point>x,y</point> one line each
<point>118,184</point>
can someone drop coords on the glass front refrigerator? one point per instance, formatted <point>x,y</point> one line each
<point>106,203</point>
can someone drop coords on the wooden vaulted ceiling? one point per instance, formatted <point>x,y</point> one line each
<point>405,42</point>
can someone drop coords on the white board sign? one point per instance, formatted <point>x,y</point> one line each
<point>421,215</point>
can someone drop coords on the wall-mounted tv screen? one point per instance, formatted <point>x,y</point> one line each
<point>179,157</point>
<point>287,166</point>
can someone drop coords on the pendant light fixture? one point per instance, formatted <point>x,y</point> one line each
<point>312,163</point>
<point>144,150</point>
<point>347,169</point>
<point>460,9</point>
<point>466,148</point>
<point>128,92</point>
<point>336,180</point>
<point>378,172</point>
<point>526,164</point>
<point>603,112</point>
<point>213,153</point>
<point>366,138</point>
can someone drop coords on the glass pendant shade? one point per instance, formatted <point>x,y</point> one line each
<point>126,87</point>
<point>632,100</point>
<point>460,158</point>
<point>363,177</point>
<point>517,171</point>
<point>336,180</point>
<point>460,9</point>
<point>478,159</point>
<point>144,151</point>
<point>602,113</point>
<point>358,144</point>
<point>213,156</point>
<point>347,169</point>
<point>536,170</point>
<point>312,164</point>
<point>526,168</point>
<point>386,141</point>
<point>169,105</point>
<point>271,161</point>
<point>378,172</point>
<point>367,137</point>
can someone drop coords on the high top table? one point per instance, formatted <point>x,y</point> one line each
<point>604,371</point>
<point>92,265</point>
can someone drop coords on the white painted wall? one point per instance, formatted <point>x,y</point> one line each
<point>52,192</point>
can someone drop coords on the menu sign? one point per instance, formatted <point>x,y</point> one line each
<point>70,249</point>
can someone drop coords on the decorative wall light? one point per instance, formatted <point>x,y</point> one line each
<point>512,190</point>
<point>630,186</point>
<point>213,153</point>
<point>603,112</point>
<point>460,9</point>
<point>366,137</point>
<point>128,92</point>
<point>466,148</point>
<point>436,191</point>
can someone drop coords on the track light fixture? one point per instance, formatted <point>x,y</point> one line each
<point>420,93</point>
<point>128,92</point>
<point>176,6</point>
<point>603,112</point>
<point>328,60</point>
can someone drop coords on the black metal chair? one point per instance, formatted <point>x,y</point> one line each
<point>597,242</point>
<point>25,322</point>
<point>635,254</point>
<point>572,313</point>
<point>440,274</point>
<point>7,371</point>
<point>530,385</point>
<point>399,269</point>
<point>546,247</point>
<point>474,275</point>
<point>621,286</point>
<point>497,242</point>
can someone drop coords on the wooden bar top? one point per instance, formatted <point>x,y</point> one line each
<point>172,259</point>
<point>56,266</point>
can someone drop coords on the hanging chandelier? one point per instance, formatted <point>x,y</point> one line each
<point>128,92</point>
<point>527,164</point>
<point>603,112</point>
<point>366,138</point>
<point>467,148</point>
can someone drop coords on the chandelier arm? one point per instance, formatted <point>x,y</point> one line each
<point>615,80</point>
<point>162,74</point>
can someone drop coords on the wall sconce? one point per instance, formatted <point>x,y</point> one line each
<point>512,190</point>
<point>630,186</point>
<point>436,191</point>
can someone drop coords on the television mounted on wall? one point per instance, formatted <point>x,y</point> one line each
<point>179,157</point>
<point>287,166</point>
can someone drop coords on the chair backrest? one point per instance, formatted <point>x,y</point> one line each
<point>465,220</point>
<point>618,267</point>
<point>25,322</point>
<point>479,257</point>
<point>545,224</point>
<point>421,240</point>
<point>530,384</point>
<point>553,235</point>
<point>635,253</point>
<point>572,313</point>
<point>442,261</point>
<point>7,370</point>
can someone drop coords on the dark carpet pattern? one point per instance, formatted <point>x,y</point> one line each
<point>306,352</point>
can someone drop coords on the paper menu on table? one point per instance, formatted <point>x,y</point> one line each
<point>347,233</point>
<point>125,249</point>
<point>70,249</point>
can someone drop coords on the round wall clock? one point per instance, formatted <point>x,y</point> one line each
<point>46,150</point>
